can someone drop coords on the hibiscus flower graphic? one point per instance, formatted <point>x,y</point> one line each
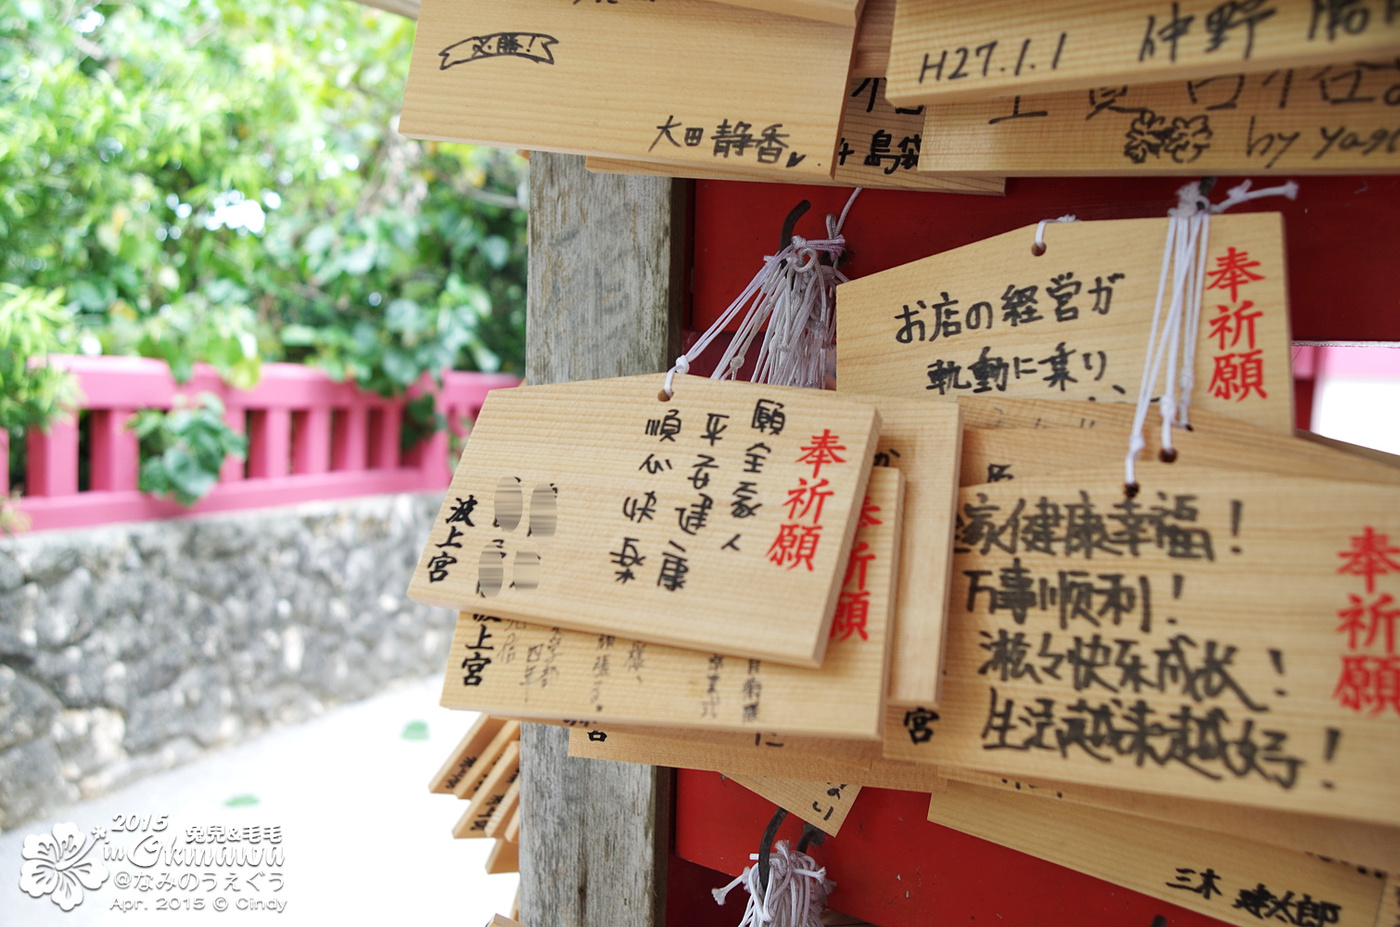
<point>58,866</point>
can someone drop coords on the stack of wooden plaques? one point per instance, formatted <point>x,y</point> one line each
<point>1073,87</point>
<point>942,577</point>
<point>942,95</point>
<point>601,584</point>
<point>483,770</point>
<point>1203,671</point>
<point>1203,674</point>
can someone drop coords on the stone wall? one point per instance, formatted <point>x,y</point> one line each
<point>130,649</point>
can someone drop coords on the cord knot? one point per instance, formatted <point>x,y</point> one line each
<point>796,894</point>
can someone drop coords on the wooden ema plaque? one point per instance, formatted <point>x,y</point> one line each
<point>999,454</point>
<point>496,825</point>
<point>1328,119</point>
<point>842,12</point>
<point>1389,915</point>
<point>470,784</point>
<point>946,50</point>
<point>533,671</point>
<point>922,441</point>
<point>718,520</point>
<point>1361,843</point>
<point>995,319</point>
<point>465,755</point>
<point>879,143</point>
<point>1225,877</point>
<point>879,147</point>
<point>490,795</point>
<point>687,80</point>
<point>824,805</point>
<point>761,754</point>
<point>1222,636</point>
<point>504,857</point>
<point>1214,441</point>
<point>512,832</point>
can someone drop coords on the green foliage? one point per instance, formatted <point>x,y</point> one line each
<point>183,449</point>
<point>32,325</point>
<point>187,330</point>
<point>219,180</point>
<point>420,420</point>
<point>33,394</point>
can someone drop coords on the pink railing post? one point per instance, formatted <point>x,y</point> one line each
<point>115,450</point>
<point>53,459</point>
<point>236,418</point>
<point>348,450</point>
<point>4,462</point>
<point>311,441</point>
<point>269,444</point>
<point>384,437</point>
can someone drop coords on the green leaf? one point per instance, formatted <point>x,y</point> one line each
<point>181,366</point>
<point>190,480</point>
<point>496,250</point>
<point>296,335</point>
<point>359,260</point>
<point>211,403</point>
<point>403,316</point>
<point>400,367</point>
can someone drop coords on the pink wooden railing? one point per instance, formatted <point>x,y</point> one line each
<point>308,438</point>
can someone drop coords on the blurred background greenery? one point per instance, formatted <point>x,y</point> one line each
<point>221,181</point>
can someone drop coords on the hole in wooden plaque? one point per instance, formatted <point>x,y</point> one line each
<point>526,574</point>
<point>544,516</point>
<point>510,502</point>
<point>491,574</point>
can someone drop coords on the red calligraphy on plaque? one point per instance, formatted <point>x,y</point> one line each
<point>853,607</point>
<point>799,537</point>
<point>1239,361</point>
<point>1370,675</point>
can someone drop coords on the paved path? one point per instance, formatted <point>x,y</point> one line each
<point>364,842</point>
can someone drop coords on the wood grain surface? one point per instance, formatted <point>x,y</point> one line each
<point>1321,119</point>
<point>532,671</point>
<point>1256,673</point>
<point>996,319</point>
<point>606,258</point>
<point>944,50</point>
<point>601,509</point>
<point>1228,878</point>
<point>679,76</point>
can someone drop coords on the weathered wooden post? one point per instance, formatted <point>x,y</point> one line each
<point>606,261</point>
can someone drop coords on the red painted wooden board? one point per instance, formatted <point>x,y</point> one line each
<point>894,868</point>
<point>1343,236</point>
